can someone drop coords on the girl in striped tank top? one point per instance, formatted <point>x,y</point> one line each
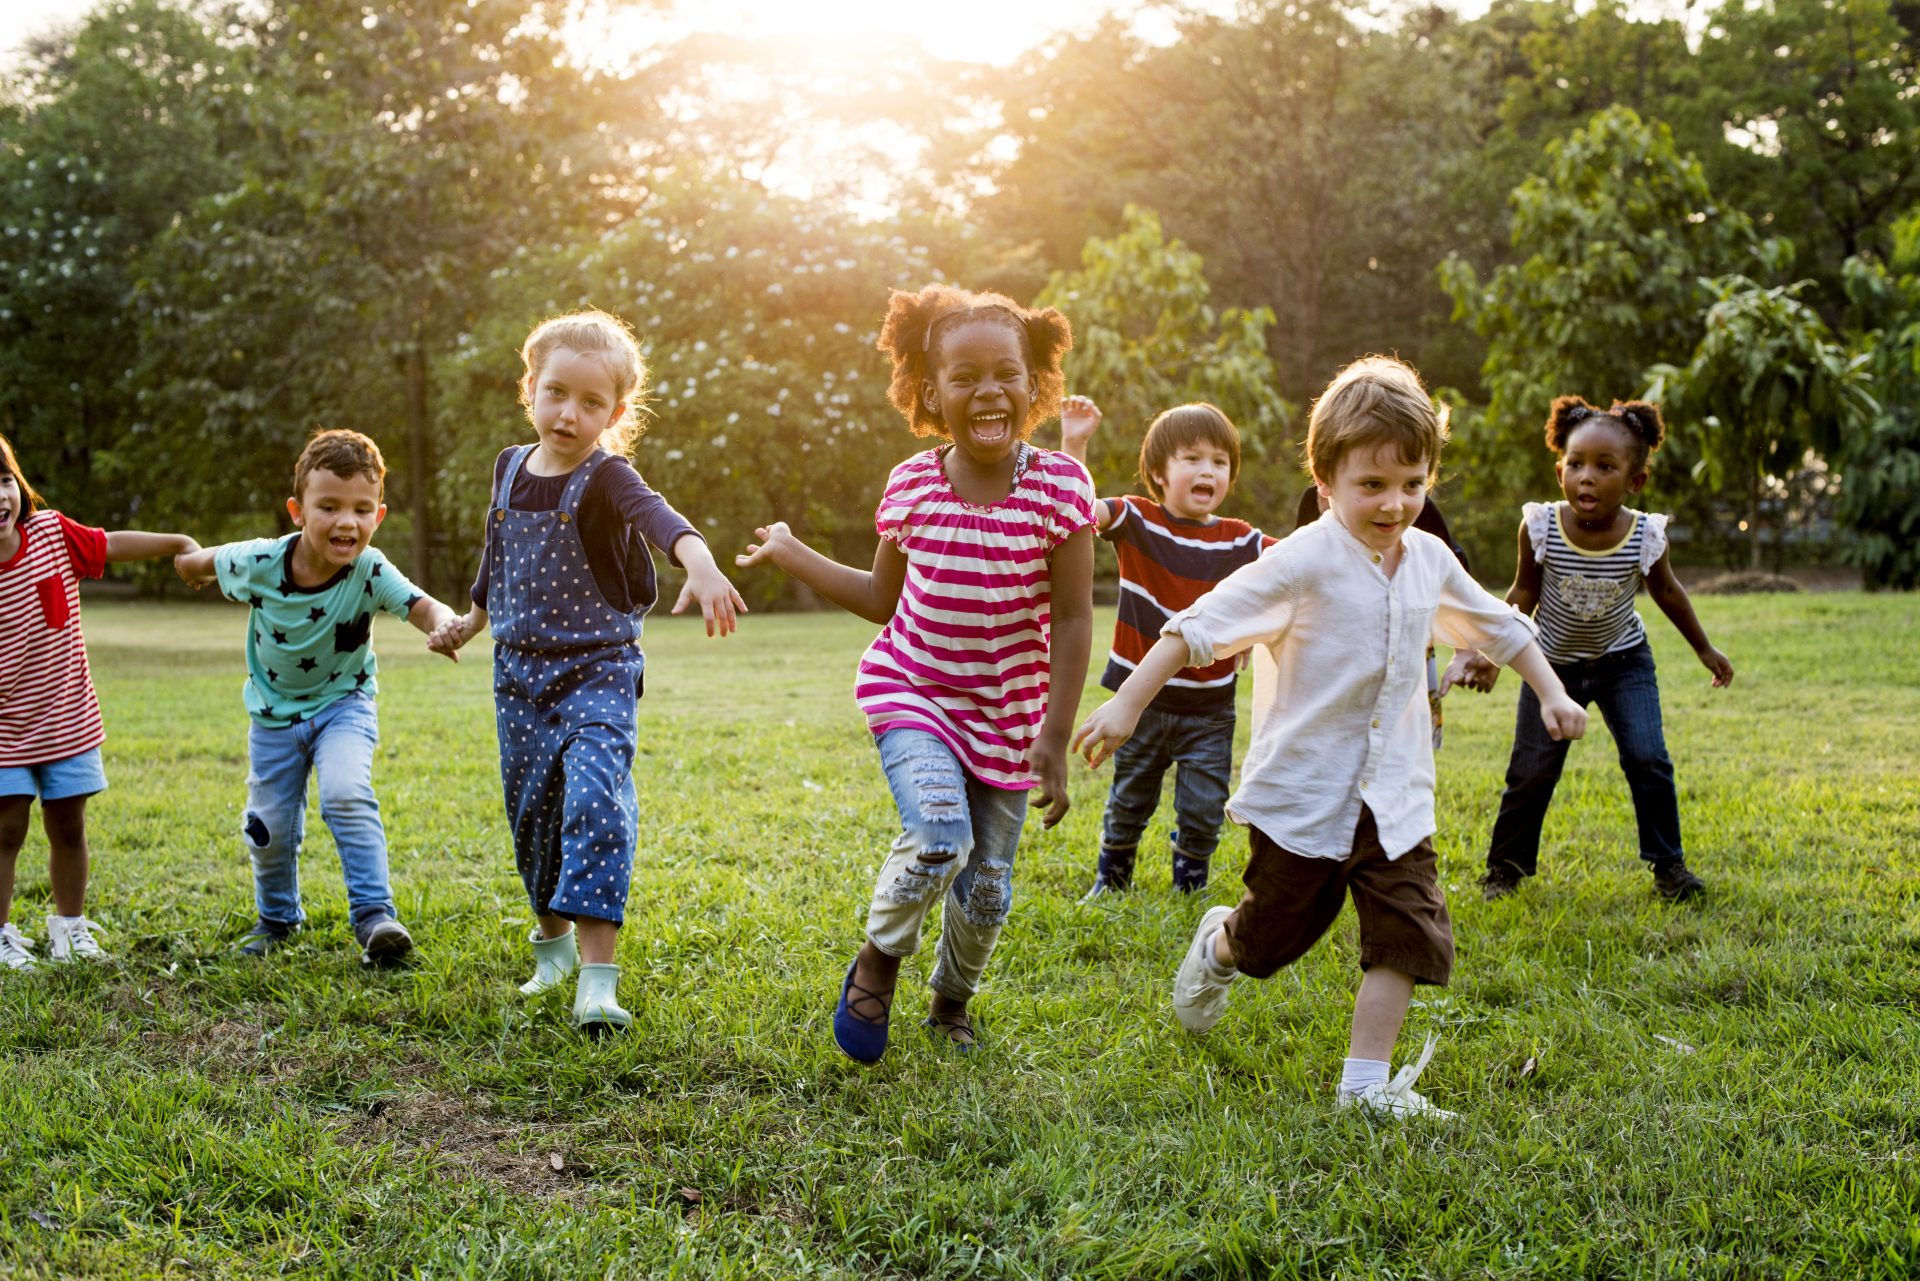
<point>50,734</point>
<point>983,581</point>
<point>1581,562</point>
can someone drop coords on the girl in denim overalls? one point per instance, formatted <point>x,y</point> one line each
<point>564,584</point>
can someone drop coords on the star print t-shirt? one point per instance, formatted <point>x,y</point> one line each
<point>307,646</point>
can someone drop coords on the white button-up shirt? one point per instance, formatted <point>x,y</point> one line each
<point>1347,723</point>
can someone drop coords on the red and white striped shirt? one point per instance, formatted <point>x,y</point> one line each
<point>48,710</point>
<point>966,654</point>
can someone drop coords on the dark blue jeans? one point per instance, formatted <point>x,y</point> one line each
<point>1623,686</point>
<point>1201,745</point>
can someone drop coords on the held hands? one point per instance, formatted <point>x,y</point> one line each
<point>719,602</point>
<point>1719,664</point>
<point>1079,419</point>
<point>195,566</point>
<point>1470,671</point>
<point>1564,718</point>
<point>450,635</point>
<point>1104,732</point>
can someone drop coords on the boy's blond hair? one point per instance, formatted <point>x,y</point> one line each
<point>1377,400</point>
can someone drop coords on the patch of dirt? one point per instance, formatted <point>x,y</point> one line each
<point>1745,583</point>
<point>517,1157</point>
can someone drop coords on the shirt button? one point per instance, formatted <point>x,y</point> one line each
<point>1363,785</point>
<point>1376,558</point>
<point>1376,722</point>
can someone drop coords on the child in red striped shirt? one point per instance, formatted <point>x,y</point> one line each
<point>1172,549</point>
<point>983,580</point>
<point>50,734</point>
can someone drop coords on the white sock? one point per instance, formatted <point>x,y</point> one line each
<point>1218,970</point>
<point>1358,1074</point>
<point>66,920</point>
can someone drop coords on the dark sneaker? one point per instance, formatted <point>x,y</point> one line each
<point>1500,881</point>
<point>264,937</point>
<point>383,940</point>
<point>1675,882</point>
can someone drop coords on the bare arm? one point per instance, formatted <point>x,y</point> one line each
<point>1079,419</point>
<point>1115,720</point>
<point>1524,595</point>
<point>1070,647</point>
<point>1674,602</point>
<point>124,545</point>
<point>870,593</point>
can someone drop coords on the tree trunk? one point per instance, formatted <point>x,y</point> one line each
<point>420,462</point>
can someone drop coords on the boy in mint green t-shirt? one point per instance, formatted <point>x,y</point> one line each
<point>310,686</point>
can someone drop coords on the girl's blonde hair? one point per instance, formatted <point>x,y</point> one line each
<point>610,340</point>
<point>1377,400</point>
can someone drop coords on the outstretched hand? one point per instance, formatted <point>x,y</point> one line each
<point>1079,419</point>
<point>1469,670</point>
<point>719,602</point>
<point>772,538</point>
<point>1104,732</point>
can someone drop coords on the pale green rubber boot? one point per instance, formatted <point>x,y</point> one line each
<point>553,961</point>
<point>596,1004</point>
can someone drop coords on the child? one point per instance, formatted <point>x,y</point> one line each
<point>310,687</point>
<point>50,731</point>
<point>984,581</point>
<point>1581,562</point>
<point>565,582</point>
<point>1172,549</point>
<point>1337,789</point>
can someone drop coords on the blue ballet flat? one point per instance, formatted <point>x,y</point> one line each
<point>860,1038</point>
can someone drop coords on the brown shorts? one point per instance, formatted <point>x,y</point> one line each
<point>1292,900</point>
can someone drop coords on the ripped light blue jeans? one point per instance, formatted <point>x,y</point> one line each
<point>958,836</point>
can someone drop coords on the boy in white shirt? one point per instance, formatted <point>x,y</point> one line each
<point>1337,788</point>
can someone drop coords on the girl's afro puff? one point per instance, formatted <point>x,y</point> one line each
<point>917,322</point>
<point>1638,418</point>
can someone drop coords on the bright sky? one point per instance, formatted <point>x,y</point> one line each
<point>977,31</point>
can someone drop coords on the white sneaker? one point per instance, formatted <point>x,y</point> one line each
<point>1199,994</point>
<point>1398,1098</point>
<point>72,939</point>
<point>16,949</point>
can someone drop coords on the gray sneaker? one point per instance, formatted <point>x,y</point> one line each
<point>1199,993</point>
<point>383,940</point>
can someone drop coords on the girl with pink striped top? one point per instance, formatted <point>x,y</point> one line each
<point>983,581</point>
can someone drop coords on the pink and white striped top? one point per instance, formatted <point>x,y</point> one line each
<point>965,655</point>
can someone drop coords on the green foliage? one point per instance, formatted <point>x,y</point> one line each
<point>1766,386</point>
<point>1880,457</point>
<point>1147,338</point>
<point>1614,236</point>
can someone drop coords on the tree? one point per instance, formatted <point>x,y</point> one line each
<point>1766,386</point>
<point>1147,338</point>
<point>1614,237</point>
<point>1879,458</point>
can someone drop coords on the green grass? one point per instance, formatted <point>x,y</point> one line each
<point>1727,1091</point>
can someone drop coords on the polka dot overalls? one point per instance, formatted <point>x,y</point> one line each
<point>567,671</point>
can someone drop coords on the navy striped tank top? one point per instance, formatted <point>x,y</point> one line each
<point>1586,598</point>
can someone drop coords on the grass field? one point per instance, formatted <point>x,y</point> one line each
<point>1646,1091</point>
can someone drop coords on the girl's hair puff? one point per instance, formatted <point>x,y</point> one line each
<point>609,339</point>
<point>1377,400</point>
<point>10,466</point>
<point>1638,418</point>
<point>916,323</point>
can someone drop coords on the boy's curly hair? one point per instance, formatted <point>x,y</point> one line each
<point>1638,418</point>
<point>343,452</point>
<point>916,323</point>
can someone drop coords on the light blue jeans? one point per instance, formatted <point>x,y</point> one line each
<point>337,744</point>
<point>957,835</point>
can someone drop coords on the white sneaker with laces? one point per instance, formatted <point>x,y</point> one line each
<point>1397,1098</point>
<point>1199,993</point>
<point>71,939</point>
<point>16,949</point>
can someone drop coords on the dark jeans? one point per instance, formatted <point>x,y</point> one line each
<point>1623,686</point>
<point>1201,745</point>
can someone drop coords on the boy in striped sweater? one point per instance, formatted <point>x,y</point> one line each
<point>1172,550</point>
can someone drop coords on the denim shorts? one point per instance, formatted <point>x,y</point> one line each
<point>59,780</point>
